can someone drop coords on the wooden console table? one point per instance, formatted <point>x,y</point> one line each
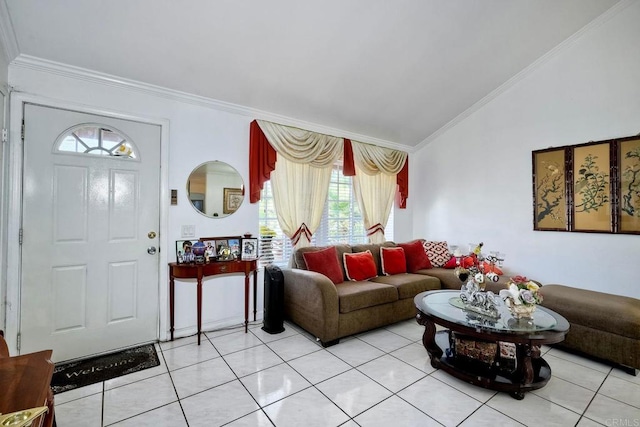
<point>25,383</point>
<point>198,271</point>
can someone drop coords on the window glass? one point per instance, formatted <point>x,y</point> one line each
<point>341,222</point>
<point>95,140</point>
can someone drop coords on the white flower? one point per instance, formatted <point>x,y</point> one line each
<point>512,293</point>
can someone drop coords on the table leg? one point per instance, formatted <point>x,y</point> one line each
<point>171,304</point>
<point>255,292</point>
<point>246,302</point>
<point>429,340</point>
<point>199,307</point>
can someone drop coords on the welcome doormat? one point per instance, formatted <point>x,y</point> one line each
<point>67,376</point>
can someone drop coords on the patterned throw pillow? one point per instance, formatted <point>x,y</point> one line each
<point>438,252</point>
<point>393,261</point>
<point>360,265</point>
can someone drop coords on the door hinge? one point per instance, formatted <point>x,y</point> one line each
<point>20,236</point>
<point>18,341</point>
<point>22,131</point>
<point>5,135</point>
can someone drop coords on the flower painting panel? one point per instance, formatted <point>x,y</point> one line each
<point>629,188</point>
<point>550,192</point>
<point>592,188</point>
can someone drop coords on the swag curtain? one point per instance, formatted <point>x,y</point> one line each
<point>374,184</point>
<point>300,180</point>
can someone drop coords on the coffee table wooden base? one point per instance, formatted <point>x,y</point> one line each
<point>532,371</point>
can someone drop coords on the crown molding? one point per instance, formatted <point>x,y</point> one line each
<point>7,35</point>
<point>597,22</point>
<point>95,77</point>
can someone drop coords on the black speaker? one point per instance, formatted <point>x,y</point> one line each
<point>273,300</point>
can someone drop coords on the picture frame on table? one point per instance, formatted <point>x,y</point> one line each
<point>249,249</point>
<point>550,190</point>
<point>234,247</point>
<point>592,186</point>
<point>184,253</point>
<point>232,199</point>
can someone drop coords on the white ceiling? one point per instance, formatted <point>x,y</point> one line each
<point>392,70</point>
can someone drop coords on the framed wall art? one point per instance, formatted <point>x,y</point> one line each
<point>550,199</point>
<point>592,187</point>
<point>629,188</point>
<point>232,200</point>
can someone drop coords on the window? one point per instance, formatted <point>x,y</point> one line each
<point>341,221</point>
<point>95,140</point>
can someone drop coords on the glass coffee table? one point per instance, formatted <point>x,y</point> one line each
<point>499,354</point>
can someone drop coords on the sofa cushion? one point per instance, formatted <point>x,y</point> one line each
<point>409,285</point>
<point>374,248</point>
<point>417,258</point>
<point>358,295</point>
<point>438,253</point>
<point>359,265</point>
<point>325,261</point>
<point>393,261</point>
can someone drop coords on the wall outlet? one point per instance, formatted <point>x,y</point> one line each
<point>188,231</point>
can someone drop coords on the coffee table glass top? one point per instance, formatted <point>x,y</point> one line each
<point>447,305</point>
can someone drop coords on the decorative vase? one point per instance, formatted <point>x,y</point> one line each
<point>522,311</point>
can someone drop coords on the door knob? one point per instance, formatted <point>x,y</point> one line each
<point>151,250</point>
<point>151,234</point>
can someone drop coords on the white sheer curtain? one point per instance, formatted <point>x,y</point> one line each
<point>374,185</point>
<point>300,181</point>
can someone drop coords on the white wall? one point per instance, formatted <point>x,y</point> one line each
<point>196,133</point>
<point>475,178</point>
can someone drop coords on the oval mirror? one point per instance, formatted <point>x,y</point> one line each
<point>215,189</point>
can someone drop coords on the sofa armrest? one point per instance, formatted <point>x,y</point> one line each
<point>311,301</point>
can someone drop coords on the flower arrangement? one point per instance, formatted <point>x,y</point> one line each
<point>521,296</point>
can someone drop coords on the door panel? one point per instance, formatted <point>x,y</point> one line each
<point>88,284</point>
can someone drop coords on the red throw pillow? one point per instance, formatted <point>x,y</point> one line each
<point>489,269</point>
<point>360,265</point>
<point>393,261</point>
<point>469,261</point>
<point>325,261</point>
<point>417,258</point>
<point>452,263</point>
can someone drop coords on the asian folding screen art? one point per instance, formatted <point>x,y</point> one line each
<point>592,187</point>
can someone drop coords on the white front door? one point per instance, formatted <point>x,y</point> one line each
<point>88,282</point>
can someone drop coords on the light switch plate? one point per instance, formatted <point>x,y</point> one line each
<point>188,231</point>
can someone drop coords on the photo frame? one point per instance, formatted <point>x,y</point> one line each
<point>591,187</point>
<point>249,249</point>
<point>550,195</point>
<point>628,190</point>
<point>232,200</point>
<point>184,253</point>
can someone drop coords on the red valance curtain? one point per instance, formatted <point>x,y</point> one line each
<point>262,161</point>
<point>402,179</point>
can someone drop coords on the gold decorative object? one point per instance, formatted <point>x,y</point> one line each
<point>21,418</point>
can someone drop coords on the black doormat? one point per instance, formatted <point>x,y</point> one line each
<point>67,376</point>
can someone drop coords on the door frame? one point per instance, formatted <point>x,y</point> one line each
<point>13,197</point>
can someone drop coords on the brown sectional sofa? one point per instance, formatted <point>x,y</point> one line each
<point>602,325</point>
<point>331,312</point>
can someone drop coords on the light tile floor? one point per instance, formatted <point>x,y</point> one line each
<point>378,378</point>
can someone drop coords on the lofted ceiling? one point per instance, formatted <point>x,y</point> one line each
<point>396,71</point>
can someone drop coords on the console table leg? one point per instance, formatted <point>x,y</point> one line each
<point>171,304</point>
<point>429,340</point>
